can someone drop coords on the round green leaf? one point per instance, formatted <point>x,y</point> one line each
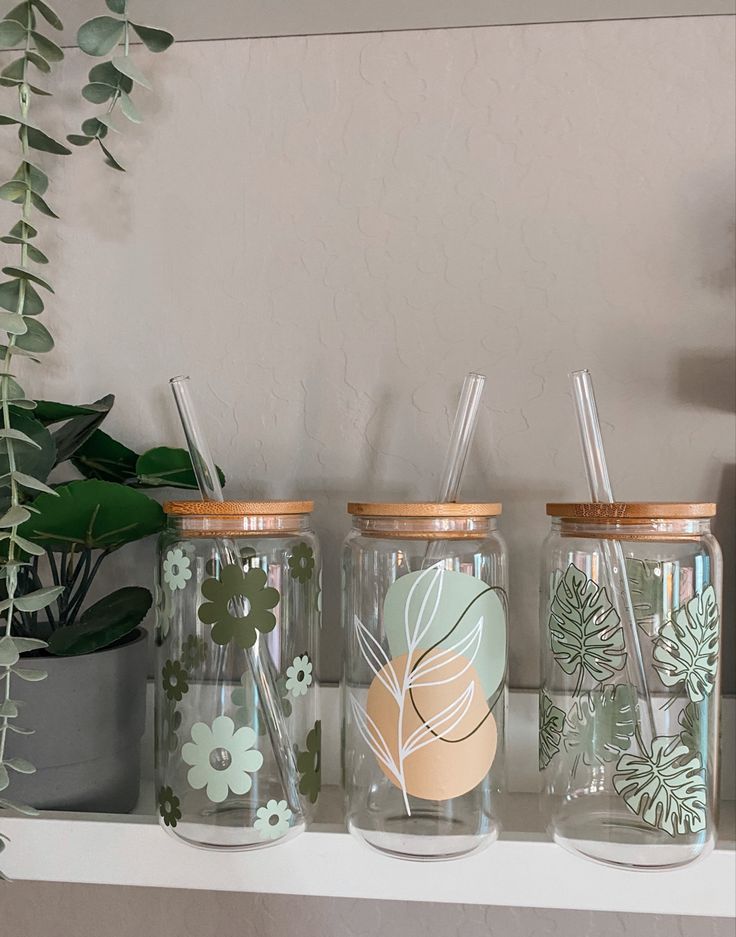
<point>40,205</point>
<point>109,158</point>
<point>10,298</point>
<point>155,40</point>
<point>24,274</point>
<point>11,33</point>
<point>129,109</point>
<point>93,514</point>
<point>36,255</point>
<point>107,74</point>
<point>39,61</point>
<point>12,323</point>
<point>37,339</point>
<point>124,64</point>
<point>23,229</point>
<point>35,177</point>
<point>15,189</point>
<point>42,141</point>
<point>103,623</point>
<point>97,92</point>
<point>100,34</point>
<point>79,139</point>
<point>117,6</point>
<point>92,127</point>
<point>48,49</point>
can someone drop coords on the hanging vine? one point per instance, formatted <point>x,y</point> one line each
<point>22,446</point>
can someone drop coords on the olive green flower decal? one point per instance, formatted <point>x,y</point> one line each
<point>167,739</point>
<point>273,819</point>
<point>175,680</point>
<point>176,569</point>
<point>162,607</point>
<point>247,712</point>
<point>193,652</point>
<point>169,807</point>
<point>309,764</point>
<point>301,562</point>
<point>225,595</point>
<point>299,676</point>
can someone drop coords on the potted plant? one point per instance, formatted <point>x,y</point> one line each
<point>47,561</point>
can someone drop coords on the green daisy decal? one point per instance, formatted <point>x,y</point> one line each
<point>224,597</point>
<point>301,562</point>
<point>167,738</point>
<point>175,680</point>
<point>309,764</point>
<point>247,712</point>
<point>169,807</point>
<point>193,652</point>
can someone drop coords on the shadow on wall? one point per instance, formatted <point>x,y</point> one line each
<point>707,379</point>
<point>724,528</point>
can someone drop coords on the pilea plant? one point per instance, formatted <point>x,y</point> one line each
<point>28,449</point>
<point>111,83</point>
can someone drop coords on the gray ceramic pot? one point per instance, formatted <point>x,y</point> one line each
<point>89,716</point>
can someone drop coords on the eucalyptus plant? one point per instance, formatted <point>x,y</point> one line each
<point>21,304</point>
<point>111,83</point>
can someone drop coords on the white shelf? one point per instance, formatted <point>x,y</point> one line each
<point>522,869</point>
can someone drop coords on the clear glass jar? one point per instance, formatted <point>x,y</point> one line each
<point>624,787</point>
<point>218,781</point>
<point>424,700</point>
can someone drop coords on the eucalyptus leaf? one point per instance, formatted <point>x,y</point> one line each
<point>30,676</point>
<point>106,73</point>
<point>9,708</point>
<point>36,339</point>
<point>48,13</point>
<point>12,323</point>
<point>42,141</point>
<point>21,14</point>
<point>34,176</point>
<point>155,40</point>
<point>6,119</point>
<point>35,601</point>
<point>15,515</point>
<point>33,484</point>
<point>22,274</point>
<point>93,127</point>
<point>109,158</point>
<point>100,34</point>
<point>105,458</point>
<point>103,623</point>
<point>40,205</point>
<point>40,91</point>
<point>39,61</point>
<point>79,139</point>
<point>4,780</point>
<point>108,122</point>
<point>17,436</point>
<point>17,729</point>
<point>15,70</point>
<point>9,653</point>
<point>93,514</point>
<point>124,64</point>
<point>34,462</point>
<point>29,644</point>
<point>10,191</point>
<point>28,546</point>
<point>21,765</point>
<point>97,92</point>
<point>23,809</point>
<point>10,389</point>
<point>11,33</point>
<point>23,229</point>
<point>48,49</point>
<point>129,109</point>
<point>117,6</point>
<point>36,255</point>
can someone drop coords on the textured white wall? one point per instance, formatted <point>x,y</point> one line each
<point>328,232</point>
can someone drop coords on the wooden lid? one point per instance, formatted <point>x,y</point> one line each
<point>633,510</point>
<point>235,508</point>
<point>423,509</point>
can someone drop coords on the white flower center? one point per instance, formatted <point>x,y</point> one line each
<point>220,759</point>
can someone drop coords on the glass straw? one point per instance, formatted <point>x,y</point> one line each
<point>463,429</point>
<point>599,483</point>
<point>258,658</point>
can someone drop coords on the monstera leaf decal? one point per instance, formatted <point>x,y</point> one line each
<point>601,725</point>
<point>665,788</point>
<point>585,630</point>
<point>551,727</point>
<point>687,648</point>
<point>691,732</point>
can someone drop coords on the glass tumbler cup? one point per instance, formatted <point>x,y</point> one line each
<point>219,783</point>
<point>425,621</point>
<point>630,782</point>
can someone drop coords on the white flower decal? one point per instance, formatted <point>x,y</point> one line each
<point>162,604</point>
<point>299,676</point>
<point>221,758</point>
<point>273,819</point>
<point>176,569</point>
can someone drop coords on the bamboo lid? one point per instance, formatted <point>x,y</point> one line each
<point>633,510</point>
<point>235,508</point>
<point>423,509</point>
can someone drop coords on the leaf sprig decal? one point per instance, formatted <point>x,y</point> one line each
<point>601,725</point>
<point>551,727</point>
<point>687,649</point>
<point>666,787</point>
<point>585,630</point>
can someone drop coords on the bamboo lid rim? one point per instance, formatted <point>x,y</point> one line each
<point>424,509</point>
<point>235,508</point>
<point>638,510</point>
